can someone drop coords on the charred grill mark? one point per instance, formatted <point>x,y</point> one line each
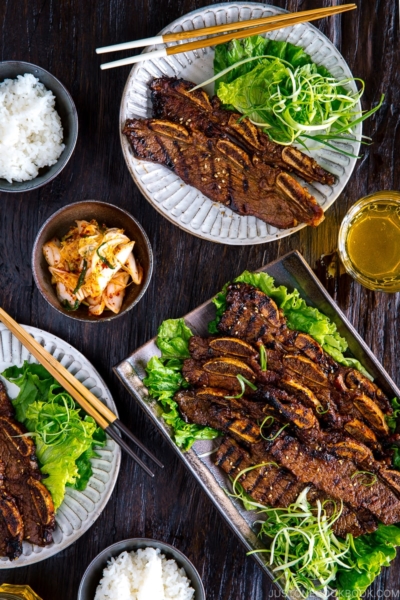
<point>181,160</point>
<point>168,162</point>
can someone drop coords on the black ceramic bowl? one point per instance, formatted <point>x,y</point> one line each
<point>58,225</point>
<point>69,118</point>
<point>94,572</point>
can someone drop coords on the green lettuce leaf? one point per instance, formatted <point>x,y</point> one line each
<point>42,405</point>
<point>396,457</point>
<point>173,337</point>
<point>299,315</point>
<point>392,419</point>
<point>59,473</point>
<point>164,379</point>
<point>34,383</point>
<point>370,553</point>
<point>231,53</point>
<point>249,90</point>
<point>279,87</point>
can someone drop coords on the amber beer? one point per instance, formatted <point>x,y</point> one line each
<point>15,592</point>
<point>369,241</point>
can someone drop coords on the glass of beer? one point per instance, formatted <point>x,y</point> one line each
<point>369,241</point>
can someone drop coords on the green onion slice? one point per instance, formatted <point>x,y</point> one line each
<point>103,258</point>
<point>68,306</point>
<point>271,420</point>
<point>263,357</point>
<point>367,479</point>
<point>272,438</point>
<point>81,276</point>
<point>243,382</point>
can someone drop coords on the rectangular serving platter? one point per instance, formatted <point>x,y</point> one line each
<point>291,271</point>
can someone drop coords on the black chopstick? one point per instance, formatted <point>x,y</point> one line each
<point>123,428</point>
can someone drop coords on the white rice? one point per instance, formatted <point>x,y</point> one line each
<point>30,128</point>
<point>143,575</point>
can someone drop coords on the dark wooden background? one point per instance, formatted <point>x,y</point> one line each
<point>61,36</point>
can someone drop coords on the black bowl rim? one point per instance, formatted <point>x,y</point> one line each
<point>149,249</point>
<point>148,542</point>
<point>69,150</point>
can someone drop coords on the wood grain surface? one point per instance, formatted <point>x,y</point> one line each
<point>61,36</point>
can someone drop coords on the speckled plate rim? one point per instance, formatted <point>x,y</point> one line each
<point>106,397</point>
<point>130,160</point>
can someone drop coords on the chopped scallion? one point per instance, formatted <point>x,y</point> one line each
<point>103,258</point>
<point>263,357</point>
<point>243,382</point>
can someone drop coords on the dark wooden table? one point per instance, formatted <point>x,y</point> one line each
<point>61,36</point>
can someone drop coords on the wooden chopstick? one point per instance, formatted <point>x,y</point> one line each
<point>195,33</point>
<point>289,20</point>
<point>103,416</point>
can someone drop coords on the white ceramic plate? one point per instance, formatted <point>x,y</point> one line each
<point>182,204</point>
<point>79,510</point>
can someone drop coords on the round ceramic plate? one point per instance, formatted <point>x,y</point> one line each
<point>79,510</point>
<point>184,205</point>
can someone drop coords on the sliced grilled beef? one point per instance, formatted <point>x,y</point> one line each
<point>224,418</point>
<point>218,372</point>
<point>11,523</point>
<point>305,369</point>
<point>275,486</point>
<point>21,481</point>
<point>36,507</point>
<point>224,172</point>
<point>336,477</point>
<point>174,100</point>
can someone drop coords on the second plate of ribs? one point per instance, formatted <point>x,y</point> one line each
<point>327,422</point>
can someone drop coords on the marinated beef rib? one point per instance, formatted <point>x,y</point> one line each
<point>303,368</point>
<point>335,431</point>
<point>24,500</point>
<point>277,487</point>
<point>174,100</point>
<point>11,523</point>
<point>337,478</point>
<point>224,172</point>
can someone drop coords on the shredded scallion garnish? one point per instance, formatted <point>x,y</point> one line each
<point>304,551</point>
<point>295,103</point>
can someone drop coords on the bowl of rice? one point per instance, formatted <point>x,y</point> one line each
<point>141,569</point>
<point>38,126</point>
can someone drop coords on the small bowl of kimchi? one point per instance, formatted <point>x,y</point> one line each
<point>92,261</point>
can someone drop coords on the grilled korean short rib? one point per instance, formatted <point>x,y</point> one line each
<point>278,487</point>
<point>225,156</point>
<point>334,417</point>
<point>224,172</point>
<point>26,506</point>
<point>174,100</point>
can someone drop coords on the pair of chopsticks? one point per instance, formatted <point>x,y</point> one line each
<point>103,416</point>
<point>265,24</point>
